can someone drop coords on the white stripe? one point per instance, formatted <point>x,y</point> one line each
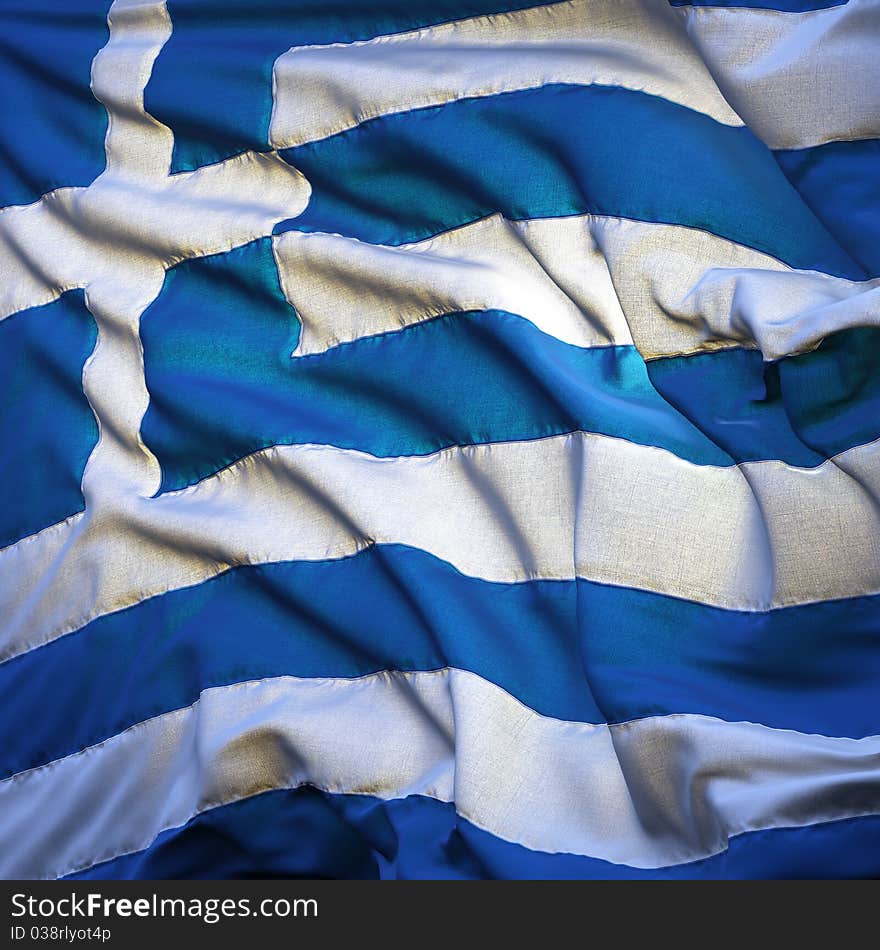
<point>683,290</point>
<point>796,80</point>
<point>549,272</point>
<point>751,537</point>
<point>647,793</point>
<point>320,90</point>
<point>587,280</point>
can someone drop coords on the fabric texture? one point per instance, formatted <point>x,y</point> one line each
<point>440,439</point>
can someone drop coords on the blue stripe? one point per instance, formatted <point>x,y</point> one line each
<point>785,6</point>
<point>840,182</point>
<point>47,429</point>
<point>571,650</point>
<point>801,409</point>
<point>304,833</point>
<point>217,346</point>
<point>223,52</point>
<point>51,126</point>
<point>559,150</point>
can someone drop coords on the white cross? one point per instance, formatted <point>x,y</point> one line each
<point>115,239</point>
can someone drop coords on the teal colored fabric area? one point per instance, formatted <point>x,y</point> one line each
<point>840,183</point>
<point>419,838</point>
<point>51,126</point>
<point>559,150</point>
<point>801,409</point>
<point>573,650</point>
<point>47,429</point>
<point>212,81</point>
<point>222,383</point>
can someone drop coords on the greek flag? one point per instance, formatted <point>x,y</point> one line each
<point>439,438</point>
